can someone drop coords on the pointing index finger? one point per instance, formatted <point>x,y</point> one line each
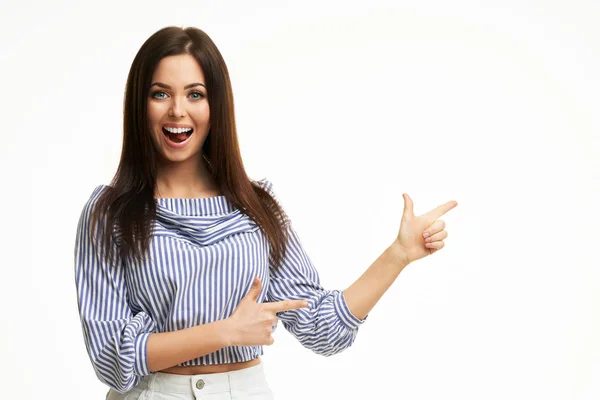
<point>441,210</point>
<point>286,305</point>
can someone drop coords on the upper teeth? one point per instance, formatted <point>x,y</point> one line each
<point>177,130</point>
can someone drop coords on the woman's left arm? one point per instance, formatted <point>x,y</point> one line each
<point>330,323</point>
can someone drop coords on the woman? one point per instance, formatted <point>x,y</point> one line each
<point>184,265</point>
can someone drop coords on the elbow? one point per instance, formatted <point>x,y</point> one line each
<point>120,384</point>
<point>122,360</point>
<point>325,333</point>
<point>332,344</point>
<point>336,347</point>
<point>118,374</point>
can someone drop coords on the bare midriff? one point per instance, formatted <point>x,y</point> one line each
<point>210,369</point>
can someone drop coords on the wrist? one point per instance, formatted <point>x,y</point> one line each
<point>398,254</point>
<point>228,332</point>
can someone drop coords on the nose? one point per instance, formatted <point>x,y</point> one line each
<point>176,109</point>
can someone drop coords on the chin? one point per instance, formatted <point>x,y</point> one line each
<point>171,156</point>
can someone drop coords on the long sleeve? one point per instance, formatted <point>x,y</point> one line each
<point>115,339</point>
<point>326,326</point>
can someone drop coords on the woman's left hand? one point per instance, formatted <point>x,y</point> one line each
<point>420,236</point>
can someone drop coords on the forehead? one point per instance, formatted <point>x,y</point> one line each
<point>178,70</point>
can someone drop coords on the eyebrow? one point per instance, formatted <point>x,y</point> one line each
<point>164,85</point>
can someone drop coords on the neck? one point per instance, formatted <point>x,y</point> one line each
<point>185,179</point>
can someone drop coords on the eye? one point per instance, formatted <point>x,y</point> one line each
<point>158,92</point>
<point>199,95</point>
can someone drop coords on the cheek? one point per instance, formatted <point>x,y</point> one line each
<point>202,114</point>
<point>155,113</point>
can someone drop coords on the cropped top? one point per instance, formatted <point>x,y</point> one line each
<point>204,255</point>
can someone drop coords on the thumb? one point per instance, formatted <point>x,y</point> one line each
<point>254,289</point>
<point>408,206</point>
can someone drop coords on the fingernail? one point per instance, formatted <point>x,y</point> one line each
<point>426,234</point>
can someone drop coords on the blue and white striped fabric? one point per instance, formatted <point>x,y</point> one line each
<point>204,255</point>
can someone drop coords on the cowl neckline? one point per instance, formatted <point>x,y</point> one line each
<point>201,220</point>
<point>195,207</point>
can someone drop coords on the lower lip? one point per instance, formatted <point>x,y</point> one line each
<point>177,145</point>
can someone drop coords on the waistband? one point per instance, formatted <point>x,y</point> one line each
<point>204,383</point>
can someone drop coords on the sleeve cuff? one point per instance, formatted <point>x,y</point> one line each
<point>140,367</point>
<point>343,312</point>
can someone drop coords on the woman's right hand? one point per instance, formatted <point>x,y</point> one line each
<point>251,323</point>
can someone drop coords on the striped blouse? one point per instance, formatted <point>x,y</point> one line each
<point>204,254</point>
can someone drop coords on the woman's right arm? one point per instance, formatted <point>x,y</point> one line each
<point>122,346</point>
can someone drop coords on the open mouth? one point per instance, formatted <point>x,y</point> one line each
<point>177,135</point>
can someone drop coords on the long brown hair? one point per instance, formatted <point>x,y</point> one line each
<point>129,203</point>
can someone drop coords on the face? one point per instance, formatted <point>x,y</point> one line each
<point>178,112</point>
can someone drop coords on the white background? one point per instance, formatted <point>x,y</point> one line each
<point>343,106</point>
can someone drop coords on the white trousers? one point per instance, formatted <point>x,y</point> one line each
<point>248,383</point>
